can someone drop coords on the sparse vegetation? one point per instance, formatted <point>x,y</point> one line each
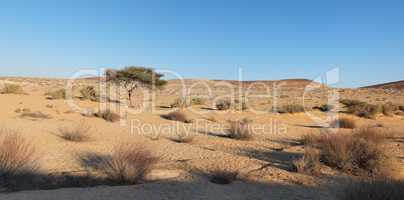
<point>89,93</point>
<point>12,89</point>
<point>180,103</point>
<point>17,160</point>
<point>348,123</point>
<point>361,109</point>
<point>178,116</point>
<point>128,163</point>
<point>79,133</point>
<point>223,105</point>
<point>291,108</point>
<point>360,153</point>
<point>35,115</point>
<point>107,115</point>
<point>57,94</point>
<point>198,101</point>
<point>309,163</point>
<point>389,109</point>
<point>325,107</point>
<point>380,189</point>
<point>240,130</point>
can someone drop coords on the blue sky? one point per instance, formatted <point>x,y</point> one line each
<point>206,38</point>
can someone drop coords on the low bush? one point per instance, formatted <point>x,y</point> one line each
<point>180,103</point>
<point>35,115</point>
<point>11,89</point>
<point>343,123</point>
<point>57,94</point>
<point>325,107</point>
<point>17,160</point>
<point>389,109</point>
<point>79,133</point>
<point>309,163</point>
<point>401,108</point>
<point>240,130</point>
<point>108,115</point>
<point>223,105</point>
<point>178,116</point>
<point>291,108</point>
<point>361,109</point>
<point>360,153</point>
<point>380,189</point>
<point>89,93</point>
<point>128,163</point>
<point>198,101</point>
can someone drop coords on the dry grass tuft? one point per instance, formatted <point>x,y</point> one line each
<point>198,101</point>
<point>360,153</point>
<point>383,189</point>
<point>57,94</point>
<point>16,160</point>
<point>348,123</point>
<point>12,89</point>
<point>309,163</point>
<point>224,105</point>
<point>240,130</point>
<point>128,164</point>
<point>79,133</point>
<point>178,116</point>
<point>180,103</point>
<point>108,115</point>
<point>292,108</point>
<point>90,93</point>
<point>361,109</point>
<point>389,109</point>
<point>35,115</point>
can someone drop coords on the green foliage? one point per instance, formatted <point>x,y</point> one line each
<point>135,75</point>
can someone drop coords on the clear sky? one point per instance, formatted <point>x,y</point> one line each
<point>206,38</point>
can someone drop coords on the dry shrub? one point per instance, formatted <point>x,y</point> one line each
<point>198,101</point>
<point>325,107</point>
<point>36,115</point>
<point>223,105</point>
<point>361,109</point>
<point>79,133</point>
<point>180,103</point>
<point>401,108</point>
<point>291,108</point>
<point>108,115</point>
<point>128,163</point>
<point>343,123</point>
<point>309,163</point>
<point>389,109</point>
<point>16,160</point>
<point>90,93</point>
<point>360,153</point>
<point>12,89</point>
<point>57,94</point>
<point>178,116</point>
<point>222,177</point>
<point>381,189</point>
<point>240,130</point>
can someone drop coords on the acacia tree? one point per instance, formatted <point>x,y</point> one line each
<point>131,78</point>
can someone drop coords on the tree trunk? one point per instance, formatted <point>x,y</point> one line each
<point>130,98</point>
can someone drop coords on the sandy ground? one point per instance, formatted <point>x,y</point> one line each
<point>266,172</point>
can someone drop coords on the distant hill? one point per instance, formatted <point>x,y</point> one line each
<point>391,85</point>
